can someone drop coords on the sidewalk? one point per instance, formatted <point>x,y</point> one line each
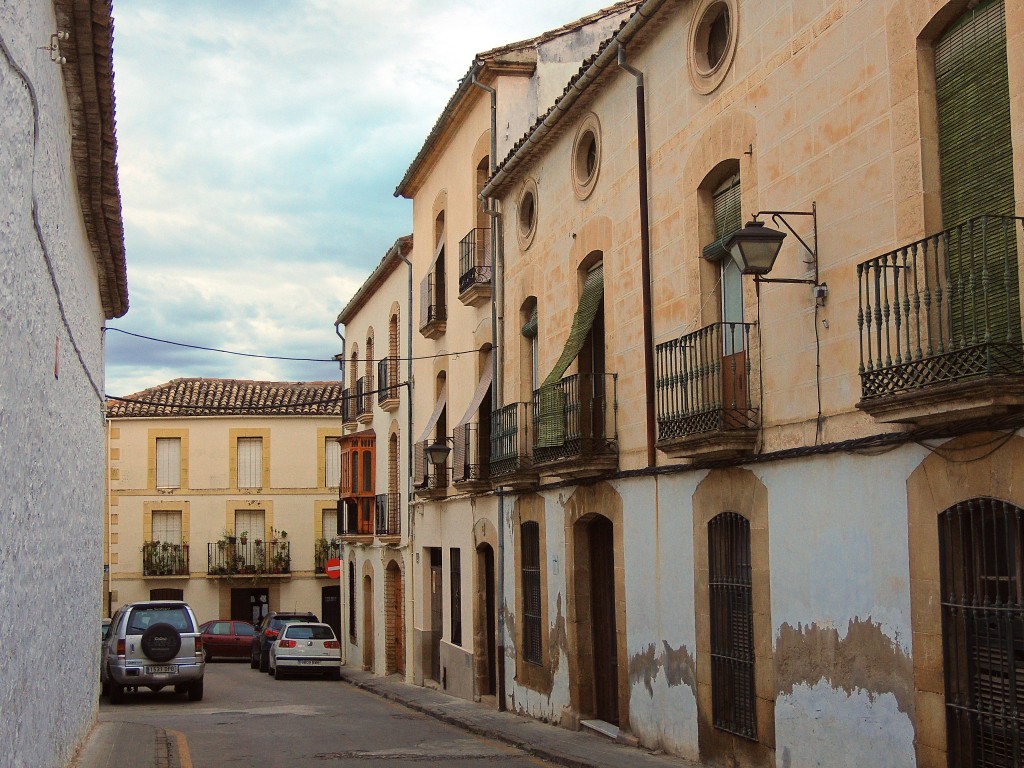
<point>576,749</point>
<point>116,745</point>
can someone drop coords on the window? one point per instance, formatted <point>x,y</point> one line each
<point>250,522</point>
<point>732,625</point>
<point>250,462</point>
<point>526,214</point>
<point>332,462</point>
<point>712,43</point>
<point>168,462</point>
<point>530,564</point>
<point>586,156</point>
<point>166,526</point>
<point>329,522</point>
<point>455,565</point>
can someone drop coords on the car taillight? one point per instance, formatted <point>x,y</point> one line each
<point>120,647</point>
<point>199,645</point>
<point>332,644</point>
<point>287,644</point>
<point>272,634</point>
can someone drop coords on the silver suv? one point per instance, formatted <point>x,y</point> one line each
<point>153,644</point>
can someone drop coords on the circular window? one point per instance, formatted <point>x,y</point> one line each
<point>712,43</point>
<point>586,156</point>
<point>526,214</point>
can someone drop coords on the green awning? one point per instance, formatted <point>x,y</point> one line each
<point>551,399</point>
<point>530,326</point>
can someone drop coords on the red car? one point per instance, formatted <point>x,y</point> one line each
<point>224,639</point>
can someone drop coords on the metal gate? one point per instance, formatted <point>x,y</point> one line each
<point>980,542</point>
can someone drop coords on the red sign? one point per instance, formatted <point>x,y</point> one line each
<point>334,568</point>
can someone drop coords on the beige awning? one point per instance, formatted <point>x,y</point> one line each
<point>486,377</point>
<point>442,400</point>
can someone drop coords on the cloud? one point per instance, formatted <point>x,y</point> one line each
<point>260,143</point>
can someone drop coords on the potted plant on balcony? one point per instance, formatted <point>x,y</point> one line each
<point>243,538</point>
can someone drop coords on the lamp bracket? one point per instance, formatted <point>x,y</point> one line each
<point>779,217</point>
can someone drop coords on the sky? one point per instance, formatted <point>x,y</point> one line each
<point>259,146</point>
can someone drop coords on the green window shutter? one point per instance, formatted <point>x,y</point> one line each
<point>728,214</point>
<point>976,172</point>
<point>551,400</point>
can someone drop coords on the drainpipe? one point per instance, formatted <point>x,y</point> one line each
<point>408,474</point>
<point>491,209</point>
<point>645,252</point>
<point>341,359</point>
<point>341,364</point>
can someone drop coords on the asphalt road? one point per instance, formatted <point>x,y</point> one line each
<point>247,718</point>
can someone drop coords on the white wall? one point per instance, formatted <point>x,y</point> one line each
<point>51,429</point>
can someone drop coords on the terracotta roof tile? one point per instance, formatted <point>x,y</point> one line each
<point>231,397</point>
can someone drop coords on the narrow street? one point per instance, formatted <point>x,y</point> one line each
<point>250,719</point>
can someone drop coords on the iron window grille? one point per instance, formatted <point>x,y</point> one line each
<point>732,625</point>
<point>530,564</point>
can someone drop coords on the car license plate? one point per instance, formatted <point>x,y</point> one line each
<point>164,669</point>
<point>309,661</point>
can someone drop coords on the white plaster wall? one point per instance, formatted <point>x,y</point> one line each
<point>839,553</point>
<point>51,429</point>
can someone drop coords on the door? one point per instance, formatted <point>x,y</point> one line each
<point>735,393</point>
<point>485,557</point>
<point>602,619</point>
<point>330,608</point>
<point>981,542</point>
<point>436,613</point>
<point>394,606</point>
<point>368,649</point>
<point>250,604</point>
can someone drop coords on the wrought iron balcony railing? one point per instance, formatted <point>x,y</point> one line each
<point>475,267</point>
<point>572,418</point>
<point>427,477</point>
<point>470,453</point>
<point>357,519</point>
<point>364,404</point>
<point>510,443</point>
<point>324,550</point>
<point>942,309</point>
<point>387,514</point>
<point>387,379</point>
<point>702,382</point>
<point>348,405</point>
<point>161,558</point>
<point>432,303</point>
<point>255,556</point>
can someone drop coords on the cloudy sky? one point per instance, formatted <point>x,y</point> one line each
<point>260,144</point>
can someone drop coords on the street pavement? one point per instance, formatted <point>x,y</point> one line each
<point>120,744</point>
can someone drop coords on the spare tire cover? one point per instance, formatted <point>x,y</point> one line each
<point>161,642</point>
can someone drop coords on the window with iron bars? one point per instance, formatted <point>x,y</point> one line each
<point>732,625</point>
<point>530,564</point>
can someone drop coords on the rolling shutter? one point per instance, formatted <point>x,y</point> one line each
<point>728,214</point>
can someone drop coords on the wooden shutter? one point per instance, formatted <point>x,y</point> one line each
<point>168,462</point>
<point>250,462</point>
<point>332,462</point>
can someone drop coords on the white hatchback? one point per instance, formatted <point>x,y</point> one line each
<point>306,647</point>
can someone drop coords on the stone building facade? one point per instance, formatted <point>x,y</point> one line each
<point>62,275</point>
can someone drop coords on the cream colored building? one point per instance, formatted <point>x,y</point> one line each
<point>456,520</point>
<point>223,493</point>
<point>374,528</point>
<point>770,522</point>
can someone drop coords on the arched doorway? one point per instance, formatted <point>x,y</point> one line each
<point>486,622</point>
<point>981,547</point>
<point>394,610</point>
<point>597,633</point>
<point>368,651</point>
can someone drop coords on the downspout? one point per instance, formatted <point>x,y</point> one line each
<point>341,364</point>
<point>408,474</point>
<point>497,316</point>
<point>645,252</point>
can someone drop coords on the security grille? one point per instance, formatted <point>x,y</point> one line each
<point>530,564</point>
<point>980,542</point>
<point>732,625</point>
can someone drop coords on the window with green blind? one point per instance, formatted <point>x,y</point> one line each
<point>727,210</point>
<point>976,171</point>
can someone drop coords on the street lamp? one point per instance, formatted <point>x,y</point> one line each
<point>755,247</point>
<point>437,453</point>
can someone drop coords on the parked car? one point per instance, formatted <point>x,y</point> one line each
<point>153,644</point>
<point>227,639</point>
<point>266,633</point>
<point>105,628</point>
<point>306,647</point>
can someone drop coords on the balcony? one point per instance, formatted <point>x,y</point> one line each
<point>387,386</point>
<point>476,271</point>
<point>471,458</point>
<point>429,481</point>
<point>939,324</point>
<point>433,310</point>
<point>511,458</point>
<point>364,400</point>
<point>574,430</point>
<point>161,558</point>
<point>388,514</point>
<point>702,382</point>
<point>230,557</point>
<point>324,550</point>
<point>348,407</point>
<point>357,520</point>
